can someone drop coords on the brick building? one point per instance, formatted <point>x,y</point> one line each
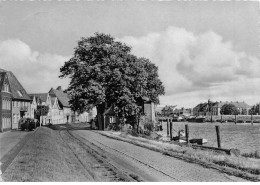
<point>15,103</point>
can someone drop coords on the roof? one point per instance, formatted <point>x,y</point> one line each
<point>237,104</point>
<point>62,97</point>
<point>17,90</point>
<point>204,106</point>
<point>40,97</point>
<point>168,108</point>
<point>158,109</point>
<point>109,111</point>
<point>52,100</point>
<point>2,77</point>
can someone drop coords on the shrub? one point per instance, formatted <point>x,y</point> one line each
<point>114,126</point>
<point>148,126</point>
<point>27,123</point>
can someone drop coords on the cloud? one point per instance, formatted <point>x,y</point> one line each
<point>198,65</point>
<point>37,72</point>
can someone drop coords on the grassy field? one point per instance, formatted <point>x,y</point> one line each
<point>248,168</point>
<point>45,157</point>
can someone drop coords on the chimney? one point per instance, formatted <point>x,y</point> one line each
<point>59,88</point>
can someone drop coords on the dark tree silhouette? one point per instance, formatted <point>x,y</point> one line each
<point>104,73</point>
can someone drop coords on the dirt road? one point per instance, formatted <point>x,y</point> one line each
<point>146,165</point>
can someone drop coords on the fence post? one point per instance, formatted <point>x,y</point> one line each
<point>187,133</point>
<point>251,119</point>
<point>235,119</point>
<point>170,129</point>
<point>167,126</point>
<point>218,137</point>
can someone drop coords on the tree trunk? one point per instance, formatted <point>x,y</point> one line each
<point>100,116</point>
<point>138,120</point>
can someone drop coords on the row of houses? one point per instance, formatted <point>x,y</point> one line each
<point>202,109</point>
<point>16,103</point>
<point>213,108</point>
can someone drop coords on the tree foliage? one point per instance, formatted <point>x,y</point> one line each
<point>255,110</point>
<point>42,110</point>
<point>229,109</point>
<point>104,73</point>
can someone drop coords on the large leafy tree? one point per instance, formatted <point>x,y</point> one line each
<point>229,109</point>
<point>104,73</point>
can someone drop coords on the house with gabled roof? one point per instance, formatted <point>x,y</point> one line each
<point>42,99</point>
<point>168,110</point>
<point>63,102</point>
<point>70,116</point>
<point>56,112</point>
<point>59,108</point>
<point>213,108</point>
<point>15,102</point>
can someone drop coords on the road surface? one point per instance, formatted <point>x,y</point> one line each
<point>145,165</point>
<point>8,140</point>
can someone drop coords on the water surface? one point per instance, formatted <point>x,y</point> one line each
<point>243,136</point>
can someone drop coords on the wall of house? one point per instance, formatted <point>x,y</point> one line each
<point>84,117</point>
<point>108,119</point>
<point>33,109</point>
<point>16,114</point>
<point>56,116</point>
<point>5,111</point>
<point>67,115</point>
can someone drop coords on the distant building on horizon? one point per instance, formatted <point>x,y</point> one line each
<point>168,110</point>
<point>213,108</point>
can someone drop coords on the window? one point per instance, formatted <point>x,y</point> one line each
<point>6,88</point>
<point>14,118</point>
<point>20,93</point>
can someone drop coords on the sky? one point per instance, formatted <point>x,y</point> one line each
<point>203,49</point>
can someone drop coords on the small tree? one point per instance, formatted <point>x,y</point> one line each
<point>244,112</point>
<point>254,110</point>
<point>42,110</point>
<point>229,109</point>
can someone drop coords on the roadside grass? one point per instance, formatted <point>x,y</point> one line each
<point>248,168</point>
<point>255,154</point>
<point>45,157</point>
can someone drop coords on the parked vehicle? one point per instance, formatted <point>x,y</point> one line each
<point>27,124</point>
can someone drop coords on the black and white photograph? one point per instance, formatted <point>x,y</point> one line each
<point>129,91</point>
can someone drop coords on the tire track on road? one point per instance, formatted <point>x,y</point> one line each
<point>146,164</point>
<point>8,159</point>
<point>128,156</point>
<point>100,169</point>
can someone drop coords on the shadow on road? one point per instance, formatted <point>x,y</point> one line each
<point>72,126</point>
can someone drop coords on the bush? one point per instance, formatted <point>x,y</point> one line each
<point>114,126</point>
<point>148,126</point>
<point>27,123</point>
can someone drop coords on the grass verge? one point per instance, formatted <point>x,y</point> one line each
<point>247,168</point>
<point>45,157</point>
